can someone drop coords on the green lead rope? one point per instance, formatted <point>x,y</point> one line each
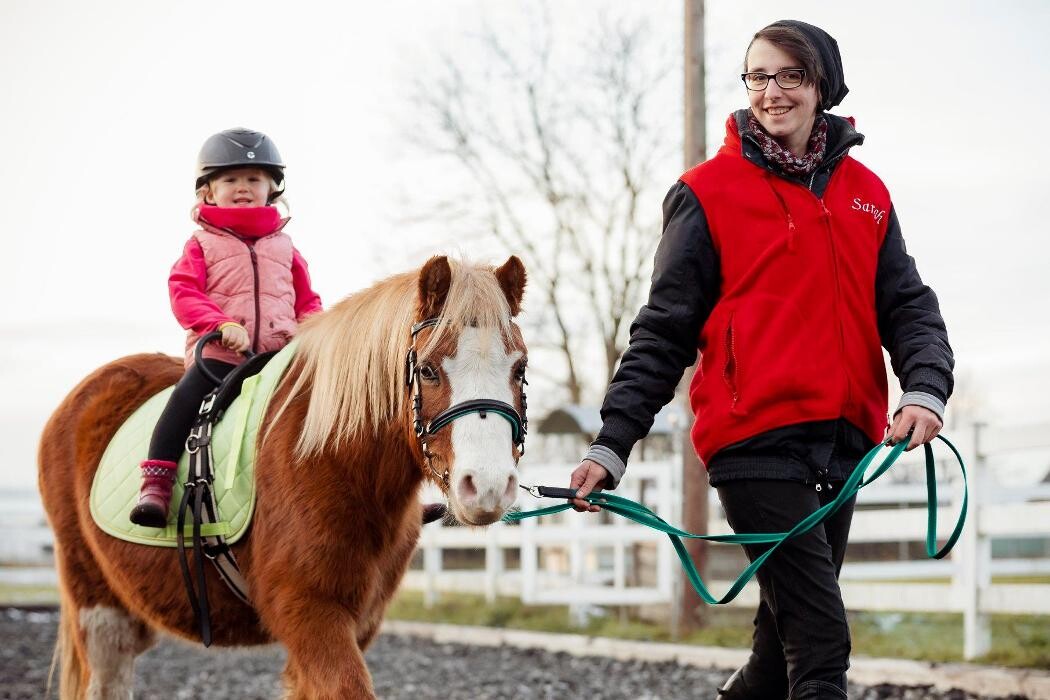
<point>640,514</point>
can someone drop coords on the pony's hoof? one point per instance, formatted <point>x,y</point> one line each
<point>149,515</point>
<point>434,511</point>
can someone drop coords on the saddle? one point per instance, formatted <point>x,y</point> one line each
<point>240,404</point>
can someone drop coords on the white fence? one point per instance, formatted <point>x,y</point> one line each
<point>579,560</point>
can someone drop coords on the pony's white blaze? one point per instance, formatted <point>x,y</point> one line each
<point>484,475</point>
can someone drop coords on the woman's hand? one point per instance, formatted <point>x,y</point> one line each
<point>922,422</point>
<point>235,337</point>
<point>586,476</point>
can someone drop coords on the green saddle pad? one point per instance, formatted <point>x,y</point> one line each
<point>115,489</point>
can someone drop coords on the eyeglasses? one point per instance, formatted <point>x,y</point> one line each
<point>787,79</point>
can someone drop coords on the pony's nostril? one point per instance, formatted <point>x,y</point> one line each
<point>510,493</point>
<point>467,489</point>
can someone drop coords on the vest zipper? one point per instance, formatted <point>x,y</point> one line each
<point>827,223</point>
<point>827,164</point>
<point>787,214</point>
<point>826,215</point>
<point>255,292</point>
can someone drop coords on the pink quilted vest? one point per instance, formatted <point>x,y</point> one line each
<point>251,281</point>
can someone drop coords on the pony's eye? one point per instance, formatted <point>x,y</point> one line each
<point>519,372</point>
<point>428,373</point>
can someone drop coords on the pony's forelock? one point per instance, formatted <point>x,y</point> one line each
<point>351,357</point>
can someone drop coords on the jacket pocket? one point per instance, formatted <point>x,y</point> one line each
<point>776,358</point>
<point>729,371</point>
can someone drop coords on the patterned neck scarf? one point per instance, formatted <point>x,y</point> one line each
<point>785,160</point>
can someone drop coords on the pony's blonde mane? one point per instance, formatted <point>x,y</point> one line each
<point>351,357</point>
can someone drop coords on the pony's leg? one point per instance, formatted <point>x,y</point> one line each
<point>390,574</point>
<point>324,659</point>
<point>98,638</point>
<point>112,639</point>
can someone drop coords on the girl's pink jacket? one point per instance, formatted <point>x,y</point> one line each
<point>240,267</point>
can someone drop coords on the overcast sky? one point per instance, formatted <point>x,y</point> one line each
<point>106,104</point>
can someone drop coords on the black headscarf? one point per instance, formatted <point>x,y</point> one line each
<point>833,86</point>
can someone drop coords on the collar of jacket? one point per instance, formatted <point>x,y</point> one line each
<point>842,136</point>
<point>243,222</point>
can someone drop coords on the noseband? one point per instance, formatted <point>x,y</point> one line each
<point>424,429</point>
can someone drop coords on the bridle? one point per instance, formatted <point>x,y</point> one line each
<point>519,424</point>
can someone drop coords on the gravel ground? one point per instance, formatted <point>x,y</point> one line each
<point>402,667</point>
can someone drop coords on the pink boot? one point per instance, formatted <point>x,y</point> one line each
<point>158,477</point>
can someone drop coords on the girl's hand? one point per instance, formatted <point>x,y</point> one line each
<point>922,422</point>
<point>235,337</point>
<point>586,476</point>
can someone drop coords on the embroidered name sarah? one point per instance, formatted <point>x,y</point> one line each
<point>870,208</point>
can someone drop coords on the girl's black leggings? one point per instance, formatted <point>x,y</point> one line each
<point>173,427</point>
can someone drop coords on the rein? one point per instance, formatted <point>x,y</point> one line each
<point>519,424</point>
<point>631,510</point>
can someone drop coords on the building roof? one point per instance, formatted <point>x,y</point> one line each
<point>573,419</point>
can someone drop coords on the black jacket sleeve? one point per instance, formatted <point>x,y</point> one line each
<point>910,322</point>
<point>665,334</point>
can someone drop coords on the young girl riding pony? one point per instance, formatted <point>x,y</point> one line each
<point>239,274</point>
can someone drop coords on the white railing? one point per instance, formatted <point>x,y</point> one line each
<point>579,577</point>
<point>583,560</point>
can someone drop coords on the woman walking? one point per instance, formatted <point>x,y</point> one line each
<point>782,262</point>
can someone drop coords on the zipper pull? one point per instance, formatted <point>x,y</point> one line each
<point>791,233</point>
<point>825,479</point>
<point>826,211</point>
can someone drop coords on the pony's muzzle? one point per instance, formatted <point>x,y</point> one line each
<point>485,497</point>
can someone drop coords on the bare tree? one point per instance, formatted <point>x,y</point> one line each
<point>557,145</point>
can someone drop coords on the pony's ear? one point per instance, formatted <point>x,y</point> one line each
<point>434,280</point>
<point>511,276</point>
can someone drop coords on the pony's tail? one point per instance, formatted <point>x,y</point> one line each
<point>66,657</point>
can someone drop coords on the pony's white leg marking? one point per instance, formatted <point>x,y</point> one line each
<point>113,640</point>
<point>485,473</point>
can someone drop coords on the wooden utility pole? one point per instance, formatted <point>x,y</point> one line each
<point>695,86</point>
<point>691,609</point>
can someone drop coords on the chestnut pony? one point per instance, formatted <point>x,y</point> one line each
<point>338,474</point>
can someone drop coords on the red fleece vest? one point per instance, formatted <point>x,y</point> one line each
<point>793,337</point>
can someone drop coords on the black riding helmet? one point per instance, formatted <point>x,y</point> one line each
<point>239,148</point>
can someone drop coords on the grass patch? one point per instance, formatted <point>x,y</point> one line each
<point>1020,640</point>
<point>12,594</point>
<point>1017,640</point>
<point>1020,579</point>
<point>1036,579</point>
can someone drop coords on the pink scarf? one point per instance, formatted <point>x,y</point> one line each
<point>248,222</point>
